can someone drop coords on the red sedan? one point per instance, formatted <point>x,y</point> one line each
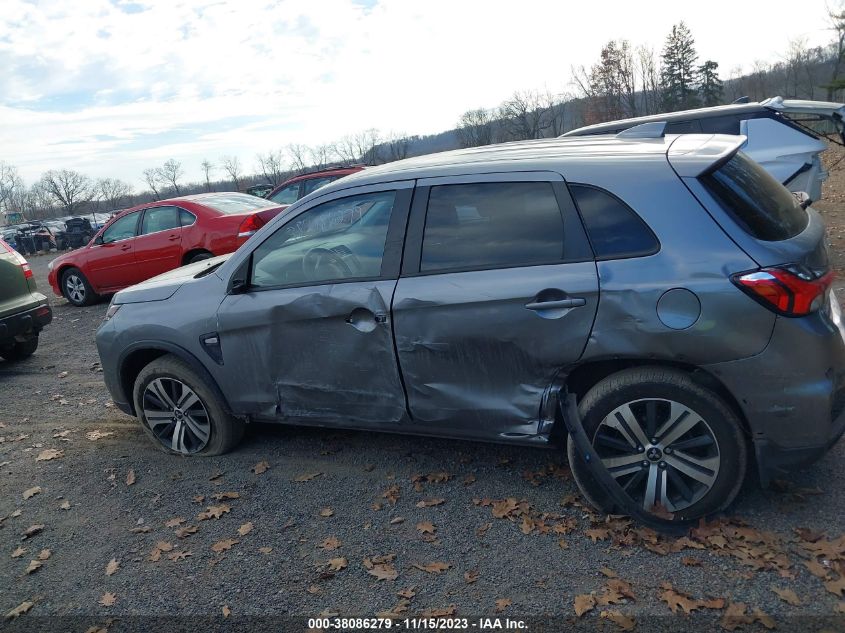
<point>152,238</point>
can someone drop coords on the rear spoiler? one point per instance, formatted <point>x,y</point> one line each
<point>692,155</point>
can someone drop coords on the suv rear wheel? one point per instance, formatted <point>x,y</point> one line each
<point>76,288</point>
<point>671,444</point>
<point>20,350</point>
<point>180,413</point>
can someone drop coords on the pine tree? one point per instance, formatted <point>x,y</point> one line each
<point>678,76</point>
<point>710,86</point>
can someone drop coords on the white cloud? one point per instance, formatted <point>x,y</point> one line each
<point>102,88</point>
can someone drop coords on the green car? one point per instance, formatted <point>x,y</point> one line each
<point>23,310</point>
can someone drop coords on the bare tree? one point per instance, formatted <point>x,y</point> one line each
<point>346,150</point>
<point>272,166</point>
<point>113,192</point>
<point>170,173</point>
<point>232,166</point>
<point>10,184</point>
<point>837,49</point>
<point>298,160</point>
<point>649,72</point>
<point>523,115</point>
<point>207,168</point>
<point>320,155</point>
<point>152,178</point>
<point>397,145</point>
<point>475,128</point>
<point>70,189</point>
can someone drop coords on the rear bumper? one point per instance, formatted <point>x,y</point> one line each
<point>26,323</point>
<point>792,394</point>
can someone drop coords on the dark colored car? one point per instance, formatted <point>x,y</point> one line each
<point>153,238</point>
<point>23,310</point>
<point>670,284</point>
<point>300,186</point>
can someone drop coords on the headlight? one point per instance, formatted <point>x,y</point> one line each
<point>113,308</point>
<point>50,265</point>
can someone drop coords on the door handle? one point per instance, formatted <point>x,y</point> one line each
<point>574,302</point>
<point>125,247</point>
<point>173,238</point>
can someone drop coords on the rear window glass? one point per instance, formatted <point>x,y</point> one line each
<point>229,203</point>
<point>614,229</point>
<point>762,206</point>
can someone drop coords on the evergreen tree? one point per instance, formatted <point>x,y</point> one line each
<point>678,77</point>
<point>710,86</point>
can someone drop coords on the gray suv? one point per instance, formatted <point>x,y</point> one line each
<point>670,284</point>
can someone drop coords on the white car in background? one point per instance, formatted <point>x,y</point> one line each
<point>783,134</point>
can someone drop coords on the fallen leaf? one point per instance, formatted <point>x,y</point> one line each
<point>307,477</point>
<point>597,534</point>
<point>31,492</point>
<point>226,611</point>
<point>469,480</point>
<point>502,604</point>
<point>392,494</point>
<point>691,561</point>
<point>174,523</point>
<point>20,551</point>
<point>427,503</point>
<point>326,512</point>
<point>260,467</point>
<point>384,571</point>
<point>313,589</point>
<point>32,530</point>
<point>609,573</point>
<point>62,374</point>
<point>108,599</point>
<point>214,512</point>
<point>624,622</point>
<point>265,550</point>
<point>444,612</point>
<point>224,545</point>
<point>181,555</point>
<point>130,477</point>
<point>245,529</point>
<point>65,505</point>
<point>144,529</point>
<point>397,520</point>
<point>34,565</point>
<point>336,564</point>
<point>433,568</point>
<point>408,593</point>
<point>426,527</point>
<point>97,435</point>
<point>220,496</point>
<point>836,587</point>
<point>331,543</point>
<point>788,596</point>
<point>112,567</point>
<point>19,610</point>
<point>185,532</point>
<point>48,454</point>
<point>584,603</point>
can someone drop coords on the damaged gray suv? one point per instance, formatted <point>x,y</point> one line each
<point>669,283</point>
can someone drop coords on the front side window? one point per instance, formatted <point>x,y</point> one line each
<point>313,184</point>
<point>614,229</point>
<point>491,225</point>
<point>160,219</point>
<point>286,195</point>
<point>121,229</point>
<point>762,206</point>
<point>334,241</point>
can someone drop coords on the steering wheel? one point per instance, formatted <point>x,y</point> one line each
<point>322,263</point>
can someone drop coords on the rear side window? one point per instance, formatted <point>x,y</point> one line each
<point>683,127</point>
<point>160,219</point>
<point>614,229</point>
<point>762,206</point>
<point>491,225</point>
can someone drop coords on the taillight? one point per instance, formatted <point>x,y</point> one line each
<point>27,271</point>
<point>250,226</point>
<point>788,290</point>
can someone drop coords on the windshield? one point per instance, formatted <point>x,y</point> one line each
<point>230,203</point>
<point>762,206</point>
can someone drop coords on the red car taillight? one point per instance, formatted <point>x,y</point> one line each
<point>27,271</point>
<point>788,290</point>
<point>250,226</point>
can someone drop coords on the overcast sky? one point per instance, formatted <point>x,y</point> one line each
<point>110,87</point>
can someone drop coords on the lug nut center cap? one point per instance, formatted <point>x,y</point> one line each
<point>654,454</point>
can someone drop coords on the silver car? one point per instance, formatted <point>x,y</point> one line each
<point>669,282</point>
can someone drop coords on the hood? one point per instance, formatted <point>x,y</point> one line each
<point>165,285</point>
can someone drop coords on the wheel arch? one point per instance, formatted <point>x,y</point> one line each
<point>186,257</point>
<point>142,353</point>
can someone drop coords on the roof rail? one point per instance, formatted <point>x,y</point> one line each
<point>655,129</point>
<point>744,99</point>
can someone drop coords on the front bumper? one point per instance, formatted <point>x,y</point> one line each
<point>26,323</point>
<point>792,394</point>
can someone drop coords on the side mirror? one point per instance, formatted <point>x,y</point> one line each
<point>239,283</point>
<point>99,240</point>
<point>803,198</point>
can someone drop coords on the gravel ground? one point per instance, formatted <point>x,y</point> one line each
<point>306,514</point>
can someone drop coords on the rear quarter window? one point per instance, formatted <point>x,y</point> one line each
<point>763,207</point>
<point>614,229</point>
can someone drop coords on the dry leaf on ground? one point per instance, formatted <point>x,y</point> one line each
<point>112,567</point>
<point>31,492</point>
<point>788,596</point>
<point>433,568</point>
<point>261,467</point>
<point>224,545</point>
<point>226,611</point>
<point>34,565</point>
<point>130,477</point>
<point>174,523</point>
<point>32,530</point>
<point>331,543</point>
<point>426,527</point>
<point>185,532</point>
<point>48,454</point>
<point>19,610</point>
<point>307,477</point>
<point>326,512</point>
<point>584,603</point>
<point>20,551</point>
<point>427,503</point>
<point>502,604</point>
<point>214,512</point>
<point>336,564</point>
<point>624,622</point>
<point>471,576</point>
<point>65,505</point>
<point>245,529</point>
<point>108,599</point>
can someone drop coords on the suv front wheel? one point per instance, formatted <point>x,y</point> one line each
<point>671,444</point>
<point>180,413</point>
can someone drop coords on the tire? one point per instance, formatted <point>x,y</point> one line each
<point>76,289</point>
<point>20,351</point>
<point>198,257</point>
<point>712,448</point>
<point>204,428</point>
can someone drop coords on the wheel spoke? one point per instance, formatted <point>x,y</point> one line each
<point>177,442</point>
<point>155,418</point>
<point>624,465</point>
<point>197,429</point>
<point>158,388</point>
<point>603,439</point>
<point>664,496</point>
<point>703,470</point>
<point>680,421</point>
<point>695,442</point>
<point>679,483</point>
<point>651,417</point>
<point>187,400</point>
<point>650,497</point>
<point>624,421</point>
